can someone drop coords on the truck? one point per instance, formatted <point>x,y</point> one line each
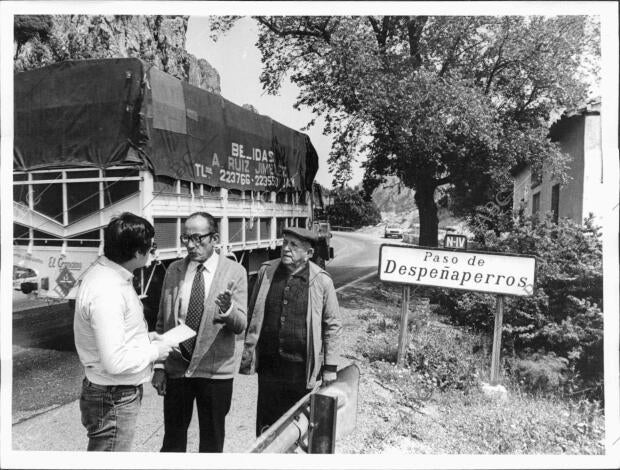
<point>95,138</point>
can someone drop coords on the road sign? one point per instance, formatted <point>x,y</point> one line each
<point>456,242</point>
<point>65,280</point>
<point>494,273</point>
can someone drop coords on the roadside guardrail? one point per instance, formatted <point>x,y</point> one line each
<point>338,228</point>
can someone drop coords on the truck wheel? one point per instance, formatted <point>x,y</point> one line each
<point>27,287</point>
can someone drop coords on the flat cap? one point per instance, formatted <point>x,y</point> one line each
<point>302,233</point>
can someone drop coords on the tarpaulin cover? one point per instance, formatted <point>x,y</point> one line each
<point>108,112</point>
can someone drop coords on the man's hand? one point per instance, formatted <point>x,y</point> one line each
<point>153,335</point>
<point>159,381</point>
<point>163,349</point>
<point>224,299</point>
<point>329,377</point>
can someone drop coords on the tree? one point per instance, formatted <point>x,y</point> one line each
<point>349,209</point>
<point>451,102</point>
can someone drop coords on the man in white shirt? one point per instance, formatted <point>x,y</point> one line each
<point>112,338</point>
<point>208,292</point>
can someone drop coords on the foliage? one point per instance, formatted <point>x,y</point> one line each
<point>382,337</point>
<point>351,210</point>
<point>445,358</point>
<point>27,27</point>
<point>540,373</point>
<point>435,101</point>
<point>525,425</point>
<point>380,347</point>
<point>563,315</point>
<point>436,357</point>
<point>412,388</point>
<point>404,411</point>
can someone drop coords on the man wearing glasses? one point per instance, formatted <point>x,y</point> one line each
<point>112,338</point>
<point>208,292</point>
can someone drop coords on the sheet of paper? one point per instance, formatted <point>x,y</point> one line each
<point>178,334</point>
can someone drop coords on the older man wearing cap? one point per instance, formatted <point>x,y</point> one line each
<point>292,339</point>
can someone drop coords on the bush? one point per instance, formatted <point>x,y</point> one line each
<point>380,346</point>
<point>540,373</point>
<point>563,315</point>
<point>385,293</point>
<point>351,210</point>
<point>411,387</point>
<point>445,358</point>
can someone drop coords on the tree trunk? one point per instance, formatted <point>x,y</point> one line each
<point>427,209</point>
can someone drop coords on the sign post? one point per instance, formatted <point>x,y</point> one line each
<point>403,338</point>
<point>492,273</point>
<point>497,339</point>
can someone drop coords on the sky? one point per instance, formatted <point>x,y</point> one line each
<point>237,60</point>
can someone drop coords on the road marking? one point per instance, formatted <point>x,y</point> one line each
<point>366,276</point>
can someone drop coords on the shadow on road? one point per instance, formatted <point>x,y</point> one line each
<point>45,327</point>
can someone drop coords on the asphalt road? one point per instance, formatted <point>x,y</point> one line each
<point>46,370</point>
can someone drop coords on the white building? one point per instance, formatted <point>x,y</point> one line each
<point>579,136</point>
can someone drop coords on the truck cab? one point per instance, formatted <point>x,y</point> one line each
<point>323,252</point>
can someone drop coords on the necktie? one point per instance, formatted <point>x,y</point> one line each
<point>194,311</point>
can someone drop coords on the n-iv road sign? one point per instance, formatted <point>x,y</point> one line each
<point>457,242</point>
<point>492,273</point>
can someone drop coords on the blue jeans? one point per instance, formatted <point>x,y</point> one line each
<point>109,414</point>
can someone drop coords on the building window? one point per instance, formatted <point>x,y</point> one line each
<point>555,202</point>
<point>536,203</point>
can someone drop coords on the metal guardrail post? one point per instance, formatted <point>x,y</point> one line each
<point>322,427</point>
<point>287,432</point>
<point>319,418</point>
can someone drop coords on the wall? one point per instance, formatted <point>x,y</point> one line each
<point>569,132</point>
<point>579,136</point>
<point>593,166</point>
<point>522,194</point>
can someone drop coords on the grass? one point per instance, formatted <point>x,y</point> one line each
<point>433,404</point>
<point>524,425</point>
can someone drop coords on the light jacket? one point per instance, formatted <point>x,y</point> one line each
<point>322,323</point>
<point>218,347</point>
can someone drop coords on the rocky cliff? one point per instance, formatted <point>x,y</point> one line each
<point>160,40</point>
<point>397,205</point>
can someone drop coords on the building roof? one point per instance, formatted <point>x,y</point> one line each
<point>592,107</point>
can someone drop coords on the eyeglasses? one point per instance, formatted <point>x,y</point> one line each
<point>153,248</point>
<point>195,237</point>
